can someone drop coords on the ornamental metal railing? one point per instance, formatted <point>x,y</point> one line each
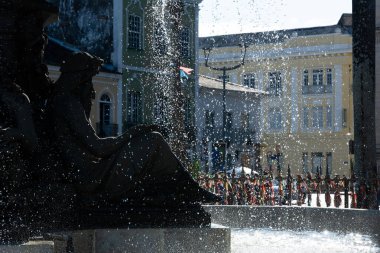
<point>300,190</point>
<point>316,89</point>
<point>235,135</point>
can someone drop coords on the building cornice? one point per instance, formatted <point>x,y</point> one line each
<point>286,52</point>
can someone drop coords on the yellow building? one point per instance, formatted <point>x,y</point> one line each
<point>307,118</point>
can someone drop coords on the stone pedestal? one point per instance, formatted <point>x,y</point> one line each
<point>150,240</point>
<point>153,240</point>
<point>30,247</point>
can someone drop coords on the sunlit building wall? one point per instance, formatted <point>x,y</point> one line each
<point>242,126</point>
<point>308,115</point>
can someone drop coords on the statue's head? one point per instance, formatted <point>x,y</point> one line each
<point>43,10</point>
<point>32,17</point>
<point>81,67</point>
<point>82,64</point>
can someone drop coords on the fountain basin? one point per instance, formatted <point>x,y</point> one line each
<point>286,241</point>
<point>297,218</point>
<point>298,229</point>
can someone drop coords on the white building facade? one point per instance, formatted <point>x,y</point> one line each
<point>237,147</point>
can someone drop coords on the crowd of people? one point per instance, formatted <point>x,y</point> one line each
<point>269,190</point>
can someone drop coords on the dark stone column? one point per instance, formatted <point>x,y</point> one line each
<point>364,100</point>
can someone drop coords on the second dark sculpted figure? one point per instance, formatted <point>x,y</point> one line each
<point>137,165</point>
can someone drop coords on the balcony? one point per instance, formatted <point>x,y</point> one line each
<point>105,130</point>
<point>273,91</point>
<point>317,89</point>
<point>235,135</point>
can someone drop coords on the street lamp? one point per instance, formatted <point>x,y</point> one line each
<point>224,69</point>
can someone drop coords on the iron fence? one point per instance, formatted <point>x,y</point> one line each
<point>301,190</point>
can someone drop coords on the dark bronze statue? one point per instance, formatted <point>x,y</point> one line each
<point>113,166</point>
<point>56,172</point>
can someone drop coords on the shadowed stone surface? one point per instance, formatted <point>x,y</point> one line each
<point>153,240</point>
<point>31,247</point>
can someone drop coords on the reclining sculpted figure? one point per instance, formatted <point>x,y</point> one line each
<point>137,165</point>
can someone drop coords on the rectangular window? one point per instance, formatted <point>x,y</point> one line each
<point>275,120</point>
<point>275,83</point>
<point>227,78</point>
<point>160,43</point>
<point>134,107</point>
<point>185,42</point>
<point>328,77</point>
<point>328,163</point>
<point>344,118</point>
<point>228,120</point>
<point>305,77</point>
<point>244,120</point>
<point>305,162</point>
<point>316,162</point>
<point>209,119</point>
<point>249,80</point>
<point>134,32</point>
<point>158,110</point>
<point>328,117</point>
<point>318,77</point>
<point>306,117</point>
<point>317,113</point>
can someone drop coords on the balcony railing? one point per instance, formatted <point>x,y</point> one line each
<point>105,130</point>
<point>274,91</point>
<point>316,89</point>
<point>235,135</point>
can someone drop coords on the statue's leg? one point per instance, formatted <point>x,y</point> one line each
<point>148,163</point>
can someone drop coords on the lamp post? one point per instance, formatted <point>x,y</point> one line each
<point>224,70</point>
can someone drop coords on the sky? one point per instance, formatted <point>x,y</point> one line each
<point>218,17</point>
